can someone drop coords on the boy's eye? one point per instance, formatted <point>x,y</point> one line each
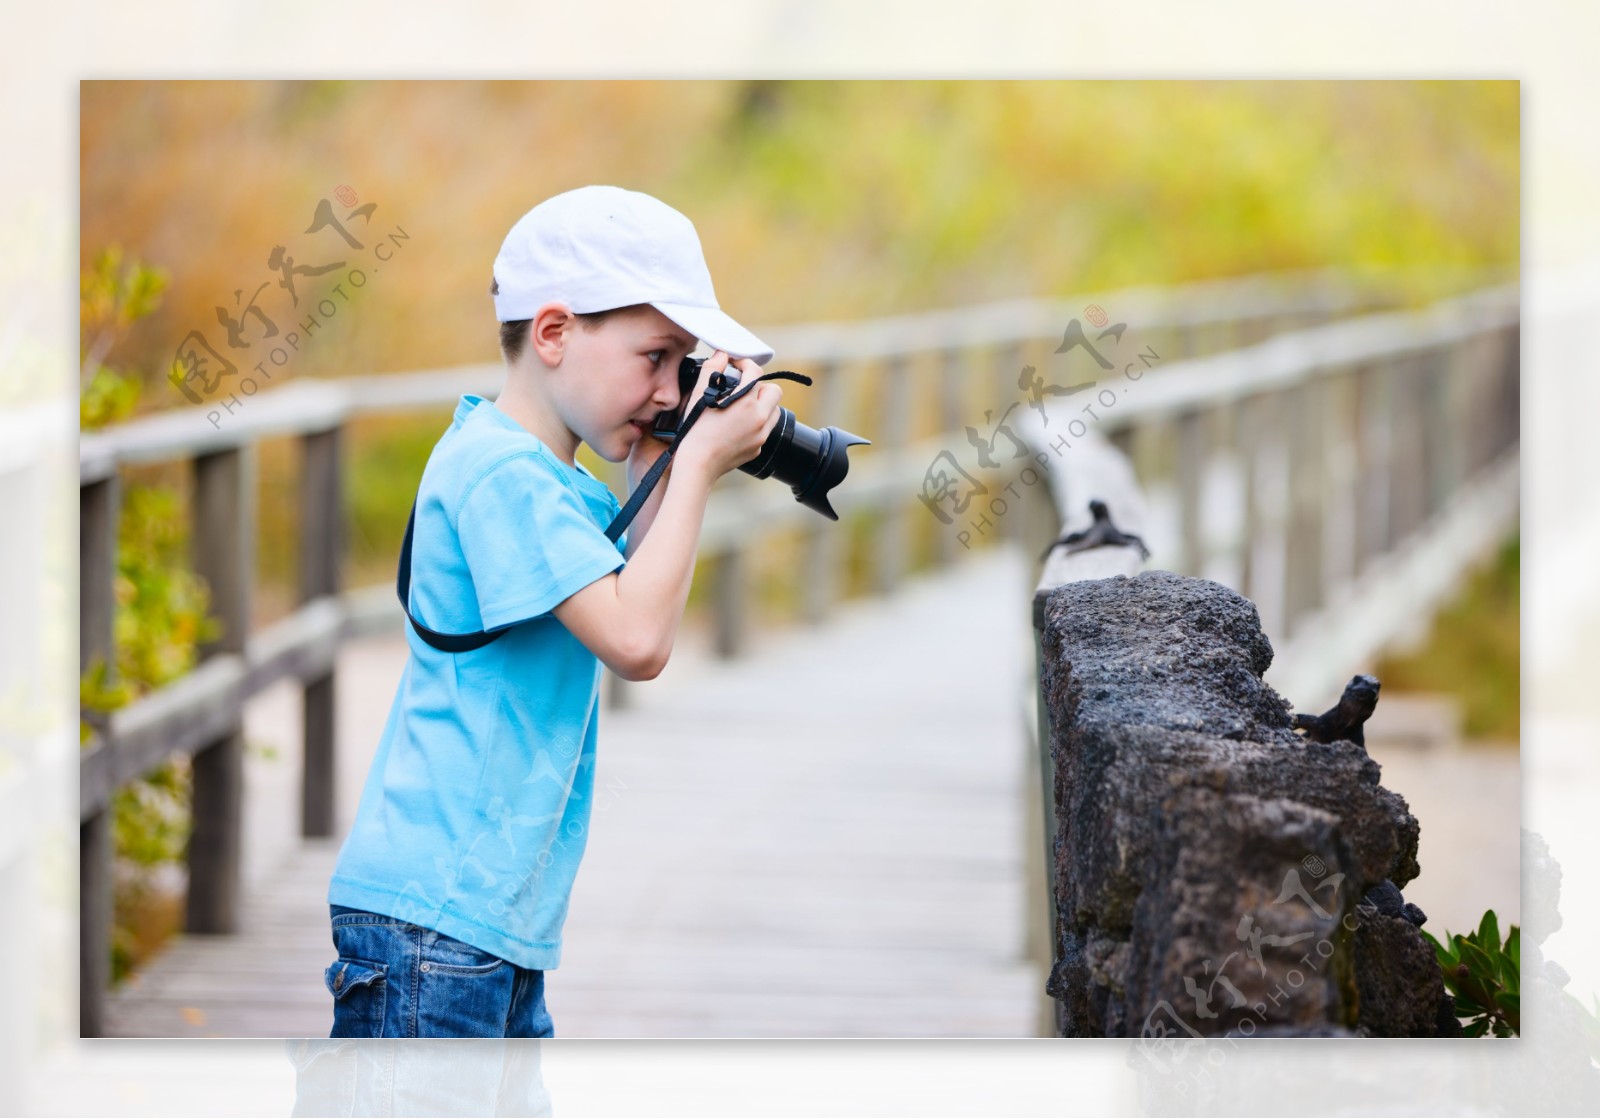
<point>655,356</point>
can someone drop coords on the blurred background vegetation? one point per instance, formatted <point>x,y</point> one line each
<point>813,200</point>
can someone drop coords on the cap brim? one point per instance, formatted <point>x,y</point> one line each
<point>717,329</point>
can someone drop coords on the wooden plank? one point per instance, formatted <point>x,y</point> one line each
<point>304,405</point>
<point>300,646</point>
<point>196,709</point>
<point>180,718</point>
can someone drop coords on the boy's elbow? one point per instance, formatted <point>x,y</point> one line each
<point>649,671</point>
<point>641,663</point>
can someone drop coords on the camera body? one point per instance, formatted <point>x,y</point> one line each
<point>724,382</point>
<point>812,462</point>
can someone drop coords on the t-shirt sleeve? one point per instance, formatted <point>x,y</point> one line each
<point>529,542</point>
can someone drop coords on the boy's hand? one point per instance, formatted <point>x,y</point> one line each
<point>724,439</point>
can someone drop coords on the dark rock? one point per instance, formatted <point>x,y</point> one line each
<point>1208,860</point>
<point>1385,897</point>
<point>1390,902</point>
<point>1398,978</point>
<point>1446,1023</point>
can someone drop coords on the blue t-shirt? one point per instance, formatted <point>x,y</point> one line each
<point>476,810</point>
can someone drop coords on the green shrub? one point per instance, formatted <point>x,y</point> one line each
<point>1484,975</point>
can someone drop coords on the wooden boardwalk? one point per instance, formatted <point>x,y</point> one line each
<point>822,838</point>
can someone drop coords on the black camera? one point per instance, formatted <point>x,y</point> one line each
<point>812,462</point>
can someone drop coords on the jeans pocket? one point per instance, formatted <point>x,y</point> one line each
<point>360,990</point>
<point>450,956</point>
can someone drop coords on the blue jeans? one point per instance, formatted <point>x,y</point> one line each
<point>395,979</point>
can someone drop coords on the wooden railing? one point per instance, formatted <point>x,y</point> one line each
<point>974,352</point>
<point>1370,461</point>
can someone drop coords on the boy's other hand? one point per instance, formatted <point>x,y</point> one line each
<point>649,448</point>
<point>724,439</point>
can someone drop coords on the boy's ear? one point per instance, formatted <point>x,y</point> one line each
<point>547,333</point>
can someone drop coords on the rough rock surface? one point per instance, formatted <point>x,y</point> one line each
<point>1209,861</point>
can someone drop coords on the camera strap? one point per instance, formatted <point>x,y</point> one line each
<point>466,642</point>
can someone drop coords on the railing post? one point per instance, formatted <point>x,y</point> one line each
<point>1373,453</point>
<point>224,553</point>
<point>1303,555</point>
<point>1406,461</point>
<point>1009,527</point>
<point>1435,432</point>
<point>1455,391</point>
<point>1250,417</point>
<point>614,692</point>
<point>1341,503</point>
<point>729,602</point>
<point>1185,342</point>
<point>1190,470</point>
<point>821,577</point>
<point>894,417</point>
<point>1508,382</point>
<point>952,392</point>
<point>97,563</point>
<point>322,536</point>
<point>1480,372</point>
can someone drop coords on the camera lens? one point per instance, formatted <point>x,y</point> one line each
<point>811,462</point>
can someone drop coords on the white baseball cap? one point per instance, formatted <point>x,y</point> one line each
<point>600,247</point>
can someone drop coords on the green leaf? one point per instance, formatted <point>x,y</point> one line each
<point>1514,947</point>
<point>1467,1006</point>
<point>1507,973</point>
<point>1475,1028</point>
<point>1505,1000</point>
<point>1489,931</point>
<point>1480,962</point>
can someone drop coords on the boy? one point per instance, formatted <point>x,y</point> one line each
<point>450,891</point>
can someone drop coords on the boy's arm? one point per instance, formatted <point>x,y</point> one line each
<point>629,619</point>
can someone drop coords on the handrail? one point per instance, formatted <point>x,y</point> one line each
<point>307,405</point>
